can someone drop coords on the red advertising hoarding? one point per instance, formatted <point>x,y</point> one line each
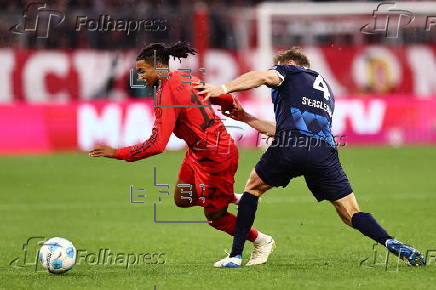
<point>26,128</point>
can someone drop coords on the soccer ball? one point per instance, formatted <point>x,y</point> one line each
<point>57,255</point>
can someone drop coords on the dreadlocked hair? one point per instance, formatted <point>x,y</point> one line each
<point>178,50</point>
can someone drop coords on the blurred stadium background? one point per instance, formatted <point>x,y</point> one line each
<point>67,88</point>
<point>62,91</point>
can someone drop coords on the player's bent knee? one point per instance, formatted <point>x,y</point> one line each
<point>255,184</point>
<point>343,215</point>
<point>348,216</point>
<point>182,203</point>
<point>345,212</point>
<point>350,211</point>
<point>179,201</point>
<point>347,219</point>
<point>182,197</point>
<point>346,207</point>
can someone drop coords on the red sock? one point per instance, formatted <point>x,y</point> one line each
<point>227,223</point>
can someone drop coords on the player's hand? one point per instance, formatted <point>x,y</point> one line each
<point>237,112</point>
<point>102,151</point>
<point>208,90</point>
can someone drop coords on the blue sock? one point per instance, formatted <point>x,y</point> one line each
<point>247,207</point>
<point>367,225</point>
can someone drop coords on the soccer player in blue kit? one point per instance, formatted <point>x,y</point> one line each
<point>303,145</point>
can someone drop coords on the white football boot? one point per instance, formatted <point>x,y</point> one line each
<point>227,262</point>
<point>261,251</point>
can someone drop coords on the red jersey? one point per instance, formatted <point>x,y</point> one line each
<point>198,125</point>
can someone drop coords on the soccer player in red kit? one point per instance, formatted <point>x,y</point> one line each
<point>211,160</point>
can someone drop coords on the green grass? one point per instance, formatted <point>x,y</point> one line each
<point>87,201</point>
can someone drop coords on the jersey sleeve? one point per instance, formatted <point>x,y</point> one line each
<point>225,101</point>
<point>286,71</point>
<point>281,73</point>
<point>163,127</point>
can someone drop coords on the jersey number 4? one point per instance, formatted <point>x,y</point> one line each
<point>320,84</point>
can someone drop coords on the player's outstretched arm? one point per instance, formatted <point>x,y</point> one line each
<point>238,113</point>
<point>161,132</point>
<point>249,80</point>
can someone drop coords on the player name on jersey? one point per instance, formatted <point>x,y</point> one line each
<point>316,104</point>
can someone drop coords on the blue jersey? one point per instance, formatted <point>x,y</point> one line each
<point>303,102</point>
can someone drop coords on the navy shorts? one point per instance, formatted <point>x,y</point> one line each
<point>319,165</point>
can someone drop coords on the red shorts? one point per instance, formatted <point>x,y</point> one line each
<point>213,180</point>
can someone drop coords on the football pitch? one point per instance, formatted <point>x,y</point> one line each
<point>89,201</point>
